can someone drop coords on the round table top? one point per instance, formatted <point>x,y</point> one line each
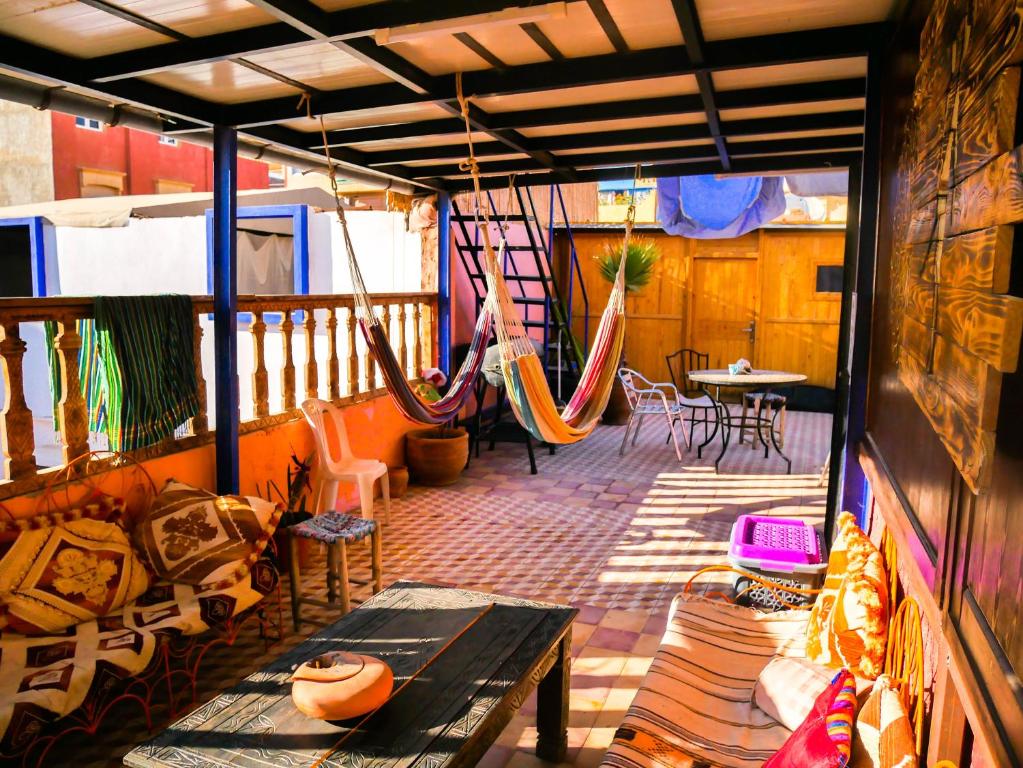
<point>720,377</point>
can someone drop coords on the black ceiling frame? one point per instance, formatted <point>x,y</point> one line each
<point>770,96</point>
<point>701,152</point>
<point>692,35</point>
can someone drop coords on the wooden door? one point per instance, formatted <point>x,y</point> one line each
<point>724,307</point>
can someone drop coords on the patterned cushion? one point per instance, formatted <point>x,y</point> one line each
<point>192,536</point>
<point>884,734</point>
<point>824,739</point>
<point>849,621</point>
<point>99,507</point>
<point>54,578</point>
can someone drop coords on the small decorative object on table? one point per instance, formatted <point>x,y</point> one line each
<point>739,367</point>
<point>783,550</point>
<point>340,685</point>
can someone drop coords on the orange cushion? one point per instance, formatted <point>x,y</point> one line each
<point>848,624</point>
<point>54,578</point>
<point>192,536</point>
<point>884,734</point>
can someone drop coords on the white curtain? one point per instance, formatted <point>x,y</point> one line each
<point>266,263</point>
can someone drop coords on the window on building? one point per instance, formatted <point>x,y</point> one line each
<point>829,278</point>
<point>168,141</point>
<point>169,186</point>
<point>93,182</point>
<point>278,174</point>
<point>89,123</point>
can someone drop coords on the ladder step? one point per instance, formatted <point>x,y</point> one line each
<point>516,278</point>
<point>528,300</point>
<point>493,217</point>
<point>507,248</point>
<point>534,324</point>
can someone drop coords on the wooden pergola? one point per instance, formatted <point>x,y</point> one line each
<point>561,92</point>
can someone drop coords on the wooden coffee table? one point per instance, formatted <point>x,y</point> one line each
<point>463,663</point>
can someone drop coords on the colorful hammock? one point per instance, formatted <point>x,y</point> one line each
<point>524,377</point>
<point>409,403</point>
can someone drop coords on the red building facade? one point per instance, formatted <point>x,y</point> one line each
<point>91,160</point>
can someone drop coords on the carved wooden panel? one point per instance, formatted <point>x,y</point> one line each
<point>954,329</point>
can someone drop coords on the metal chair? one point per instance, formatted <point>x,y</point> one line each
<point>703,410</point>
<point>648,398</point>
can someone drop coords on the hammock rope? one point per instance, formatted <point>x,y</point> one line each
<point>525,380</point>
<point>375,335</point>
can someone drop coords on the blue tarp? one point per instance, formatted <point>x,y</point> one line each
<point>707,207</point>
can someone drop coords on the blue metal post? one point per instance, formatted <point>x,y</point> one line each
<point>444,282</point>
<point>225,304</point>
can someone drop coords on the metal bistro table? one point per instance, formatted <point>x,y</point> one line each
<point>759,380</point>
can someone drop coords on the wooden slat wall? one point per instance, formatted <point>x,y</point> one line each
<point>945,386</point>
<point>797,330</point>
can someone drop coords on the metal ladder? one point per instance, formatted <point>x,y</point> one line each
<point>528,271</point>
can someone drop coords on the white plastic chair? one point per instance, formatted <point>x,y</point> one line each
<point>647,398</point>
<point>346,467</point>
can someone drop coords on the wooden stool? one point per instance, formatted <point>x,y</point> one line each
<point>337,530</point>
<point>771,405</point>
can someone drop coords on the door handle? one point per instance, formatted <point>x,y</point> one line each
<point>751,330</point>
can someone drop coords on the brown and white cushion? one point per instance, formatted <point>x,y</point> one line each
<point>192,536</point>
<point>884,733</point>
<point>54,578</point>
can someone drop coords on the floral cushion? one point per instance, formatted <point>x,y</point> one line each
<point>99,507</point>
<point>884,734</point>
<point>848,624</point>
<point>824,739</point>
<point>53,578</point>
<point>192,536</point>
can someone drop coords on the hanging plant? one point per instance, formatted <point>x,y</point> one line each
<point>641,255</point>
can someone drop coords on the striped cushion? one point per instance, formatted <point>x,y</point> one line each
<point>787,689</point>
<point>849,621</point>
<point>884,735</point>
<point>695,705</point>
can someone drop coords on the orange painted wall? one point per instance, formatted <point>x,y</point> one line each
<point>375,427</point>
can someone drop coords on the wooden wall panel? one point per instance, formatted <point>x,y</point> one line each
<point>705,292</point>
<point>798,326</point>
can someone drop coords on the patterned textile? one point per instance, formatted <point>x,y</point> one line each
<point>334,526</point>
<point>53,578</point>
<point>884,734</point>
<point>787,689</point>
<point>101,507</point>
<point>145,344</point>
<point>824,739</point>
<point>45,678</point>
<point>695,705</point>
<point>192,536</point>
<point>849,621</point>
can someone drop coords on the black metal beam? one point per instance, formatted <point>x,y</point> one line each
<point>749,149</point>
<point>841,42</point>
<point>772,164</point>
<point>799,93</point>
<point>692,35</point>
<point>479,49</point>
<point>308,18</point>
<point>850,119</point>
<point>536,34</point>
<point>607,23</point>
<point>342,24</point>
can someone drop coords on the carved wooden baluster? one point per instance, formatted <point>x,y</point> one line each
<point>260,380</point>
<point>74,418</point>
<point>402,339</point>
<point>200,422</point>
<point>353,355</point>
<point>333,363</point>
<point>371,364</point>
<point>288,371</point>
<point>312,373</point>
<point>417,335</point>
<point>17,441</point>
<point>386,320</point>
<point>430,351</point>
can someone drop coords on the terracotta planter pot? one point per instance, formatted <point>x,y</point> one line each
<point>437,456</point>
<point>398,478</point>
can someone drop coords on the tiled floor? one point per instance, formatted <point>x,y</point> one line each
<point>615,536</point>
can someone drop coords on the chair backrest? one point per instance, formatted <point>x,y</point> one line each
<point>681,363</point>
<point>327,422</point>
<point>628,378</point>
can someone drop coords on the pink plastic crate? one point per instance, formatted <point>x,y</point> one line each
<point>775,544</point>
